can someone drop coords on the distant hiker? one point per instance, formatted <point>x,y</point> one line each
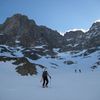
<point>80,70</point>
<point>75,70</point>
<point>45,76</point>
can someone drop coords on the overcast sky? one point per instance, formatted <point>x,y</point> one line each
<point>60,15</point>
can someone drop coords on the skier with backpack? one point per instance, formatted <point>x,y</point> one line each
<point>45,79</point>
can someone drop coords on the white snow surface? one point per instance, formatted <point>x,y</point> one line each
<point>76,29</point>
<point>64,85</point>
<point>40,46</point>
<point>97,21</point>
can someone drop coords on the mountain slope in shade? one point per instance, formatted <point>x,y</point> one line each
<point>28,34</point>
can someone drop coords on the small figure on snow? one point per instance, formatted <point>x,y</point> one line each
<point>45,79</point>
<point>80,70</point>
<point>75,70</point>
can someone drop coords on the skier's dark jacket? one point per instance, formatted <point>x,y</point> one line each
<point>45,74</point>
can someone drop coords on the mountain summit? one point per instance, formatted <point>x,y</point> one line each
<point>20,30</point>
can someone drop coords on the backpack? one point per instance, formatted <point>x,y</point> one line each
<point>45,73</point>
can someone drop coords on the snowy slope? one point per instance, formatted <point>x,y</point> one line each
<point>63,86</point>
<point>65,83</point>
<point>79,62</point>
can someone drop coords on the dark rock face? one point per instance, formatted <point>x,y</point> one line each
<point>3,38</point>
<point>74,40</point>
<point>78,40</point>
<point>69,62</point>
<point>20,28</point>
<point>26,67</point>
<point>93,36</point>
<point>29,34</point>
<point>53,38</point>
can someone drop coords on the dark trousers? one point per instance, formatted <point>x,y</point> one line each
<point>45,81</point>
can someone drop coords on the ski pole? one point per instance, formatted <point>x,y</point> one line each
<point>50,79</point>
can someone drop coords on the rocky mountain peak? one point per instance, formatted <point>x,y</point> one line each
<point>27,33</point>
<point>74,34</point>
<point>21,28</point>
<point>17,24</point>
<point>19,18</point>
<point>95,26</point>
<point>94,30</point>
